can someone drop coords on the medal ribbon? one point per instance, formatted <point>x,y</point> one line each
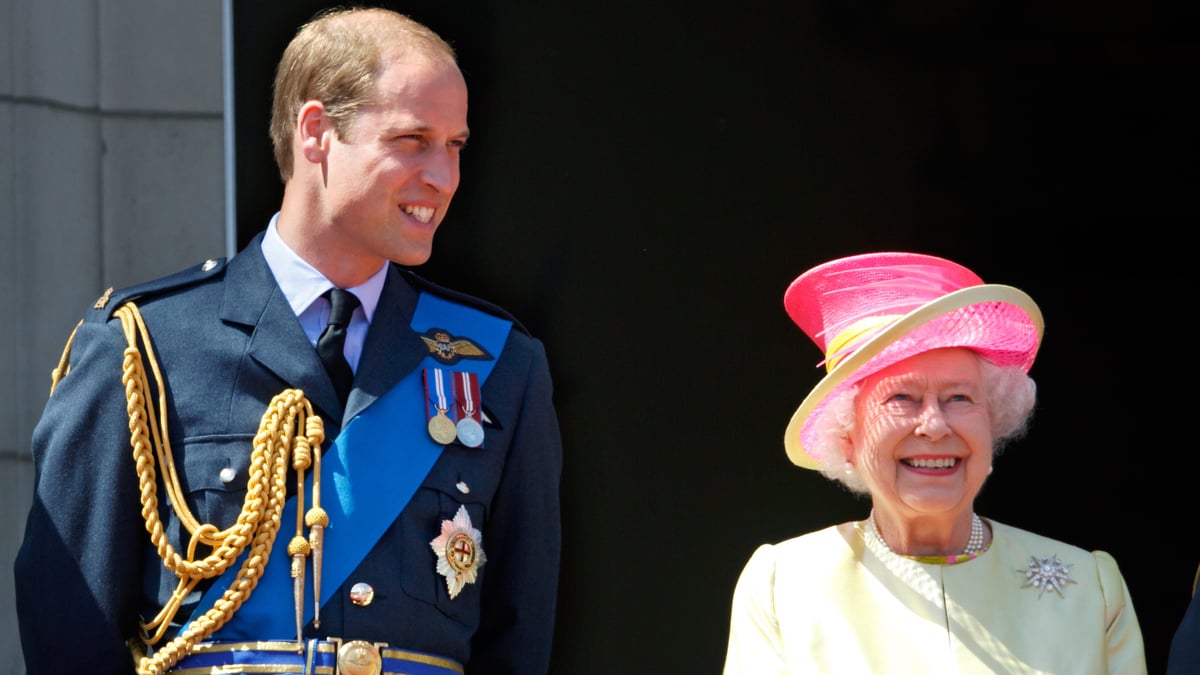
<point>372,481</point>
<point>467,393</point>
<point>437,402</point>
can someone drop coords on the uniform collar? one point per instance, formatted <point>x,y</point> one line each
<point>302,284</point>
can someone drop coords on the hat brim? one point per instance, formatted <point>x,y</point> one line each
<point>851,365</point>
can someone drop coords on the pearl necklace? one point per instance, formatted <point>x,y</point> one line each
<point>974,542</point>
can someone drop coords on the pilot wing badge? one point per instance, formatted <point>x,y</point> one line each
<point>450,349</point>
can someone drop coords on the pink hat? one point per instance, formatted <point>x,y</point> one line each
<point>867,312</point>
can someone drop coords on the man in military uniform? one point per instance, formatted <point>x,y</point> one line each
<point>207,498</point>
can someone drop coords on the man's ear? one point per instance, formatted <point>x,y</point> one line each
<point>313,128</point>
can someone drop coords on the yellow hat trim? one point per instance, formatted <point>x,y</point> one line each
<point>842,344</point>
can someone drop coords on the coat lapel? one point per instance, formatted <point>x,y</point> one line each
<point>392,350</point>
<point>253,299</point>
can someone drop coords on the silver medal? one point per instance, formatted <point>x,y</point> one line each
<point>470,432</point>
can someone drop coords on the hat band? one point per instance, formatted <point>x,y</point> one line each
<point>844,343</point>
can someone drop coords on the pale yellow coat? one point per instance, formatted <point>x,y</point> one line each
<point>835,601</point>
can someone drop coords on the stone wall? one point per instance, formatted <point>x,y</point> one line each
<point>113,171</point>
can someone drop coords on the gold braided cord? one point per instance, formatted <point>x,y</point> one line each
<point>288,428</point>
<point>64,361</point>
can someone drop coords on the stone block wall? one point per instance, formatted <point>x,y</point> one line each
<point>113,171</point>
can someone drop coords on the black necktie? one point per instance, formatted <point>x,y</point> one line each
<point>331,345</point>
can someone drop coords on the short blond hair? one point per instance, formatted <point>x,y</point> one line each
<point>336,58</point>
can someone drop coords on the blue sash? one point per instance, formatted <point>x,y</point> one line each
<point>371,479</point>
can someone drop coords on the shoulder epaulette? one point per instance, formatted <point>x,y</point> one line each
<point>464,298</point>
<point>108,303</point>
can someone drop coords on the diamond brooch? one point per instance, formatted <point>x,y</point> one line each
<point>1047,572</point>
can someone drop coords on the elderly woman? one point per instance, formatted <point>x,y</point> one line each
<point>926,379</point>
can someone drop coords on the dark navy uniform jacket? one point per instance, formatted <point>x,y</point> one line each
<point>1184,656</point>
<point>227,342</point>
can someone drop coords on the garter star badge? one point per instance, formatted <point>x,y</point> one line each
<point>459,552</point>
<point>1047,572</point>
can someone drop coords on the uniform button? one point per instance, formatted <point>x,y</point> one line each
<point>362,594</point>
<point>228,474</point>
<point>208,265</point>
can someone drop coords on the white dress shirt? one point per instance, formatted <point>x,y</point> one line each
<point>303,287</point>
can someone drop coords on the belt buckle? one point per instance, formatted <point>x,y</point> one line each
<point>359,657</point>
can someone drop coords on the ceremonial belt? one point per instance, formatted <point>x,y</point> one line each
<point>319,657</point>
<point>372,481</point>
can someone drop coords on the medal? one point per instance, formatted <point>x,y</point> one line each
<point>441,427</point>
<point>466,389</point>
<point>470,432</point>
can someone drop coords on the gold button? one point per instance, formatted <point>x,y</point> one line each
<point>362,594</point>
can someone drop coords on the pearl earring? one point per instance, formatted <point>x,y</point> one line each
<point>848,468</point>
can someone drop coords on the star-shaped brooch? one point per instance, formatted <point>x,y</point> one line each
<point>459,552</point>
<point>1047,572</point>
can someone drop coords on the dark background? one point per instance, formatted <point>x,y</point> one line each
<point>645,179</point>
